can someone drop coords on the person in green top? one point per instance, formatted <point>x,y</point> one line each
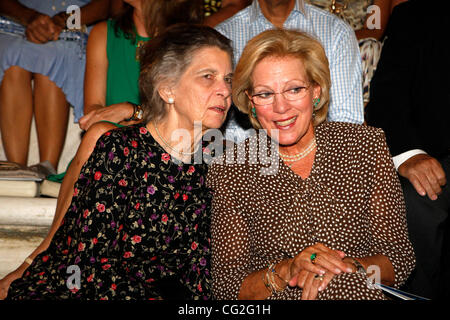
<point>123,65</point>
<point>111,87</point>
<point>112,63</point>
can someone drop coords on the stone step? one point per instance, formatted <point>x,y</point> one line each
<point>27,211</point>
<point>16,243</point>
<point>24,222</point>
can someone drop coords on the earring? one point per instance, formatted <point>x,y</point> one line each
<point>316,102</point>
<point>254,112</point>
<point>170,100</point>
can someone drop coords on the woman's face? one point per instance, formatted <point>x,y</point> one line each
<point>203,93</point>
<point>293,118</point>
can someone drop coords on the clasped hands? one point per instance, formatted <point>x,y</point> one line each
<point>41,28</point>
<point>314,277</point>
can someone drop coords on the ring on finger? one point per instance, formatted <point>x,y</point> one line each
<point>313,258</point>
<point>318,277</point>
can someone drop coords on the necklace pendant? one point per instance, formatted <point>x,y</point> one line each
<point>139,44</point>
<point>169,146</point>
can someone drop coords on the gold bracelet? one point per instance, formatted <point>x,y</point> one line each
<point>266,284</point>
<point>271,272</point>
<point>137,112</point>
<point>279,277</point>
<point>28,260</point>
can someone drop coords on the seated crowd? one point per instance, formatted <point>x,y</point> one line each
<point>259,150</point>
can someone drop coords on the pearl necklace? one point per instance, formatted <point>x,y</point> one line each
<point>302,154</point>
<point>168,145</point>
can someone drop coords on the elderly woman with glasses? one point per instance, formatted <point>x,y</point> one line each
<point>329,214</point>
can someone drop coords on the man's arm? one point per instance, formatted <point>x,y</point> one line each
<point>18,12</point>
<point>393,96</point>
<point>94,11</point>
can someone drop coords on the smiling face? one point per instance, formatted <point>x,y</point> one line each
<point>293,118</point>
<point>203,92</point>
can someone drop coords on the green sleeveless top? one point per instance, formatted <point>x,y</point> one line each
<point>122,81</point>
<point>123,67</point>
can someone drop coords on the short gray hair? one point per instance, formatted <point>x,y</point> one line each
<point>165,58</point>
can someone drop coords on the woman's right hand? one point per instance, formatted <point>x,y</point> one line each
<point>41,29</point>
<point>327,260</point>
<point>116,113</point>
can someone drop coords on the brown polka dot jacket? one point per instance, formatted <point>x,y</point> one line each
<point>351,201</point>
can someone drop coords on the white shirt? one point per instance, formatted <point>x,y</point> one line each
<point>402,157</point>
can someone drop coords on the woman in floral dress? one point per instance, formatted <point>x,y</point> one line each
<point>138,224</point>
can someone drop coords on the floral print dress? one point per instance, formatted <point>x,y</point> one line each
<point>137,228</point>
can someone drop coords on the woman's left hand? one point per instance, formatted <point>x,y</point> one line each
<point>115,113</point>
<point>312,283</point>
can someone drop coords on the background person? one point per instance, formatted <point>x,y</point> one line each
<point>218,11</point>
<point>417,132</point>
<point>337,37</point>
<point>368,18</point>
<point>56,68</point>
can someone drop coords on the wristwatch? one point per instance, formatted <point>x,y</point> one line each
<point>138,114</point>
<point>359,267</point>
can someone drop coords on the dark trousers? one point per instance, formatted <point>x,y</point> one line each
<point>428,226</point>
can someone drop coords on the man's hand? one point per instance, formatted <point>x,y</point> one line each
<point>425,173</point>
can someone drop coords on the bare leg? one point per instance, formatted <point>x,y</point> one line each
<point>51,112</point>
<point>16,113</point>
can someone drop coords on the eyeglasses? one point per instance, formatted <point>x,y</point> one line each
<point>266,98</point>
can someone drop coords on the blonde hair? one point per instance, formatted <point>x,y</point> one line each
<point>282,43</point>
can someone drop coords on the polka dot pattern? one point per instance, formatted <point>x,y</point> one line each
<point>351,201</point>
